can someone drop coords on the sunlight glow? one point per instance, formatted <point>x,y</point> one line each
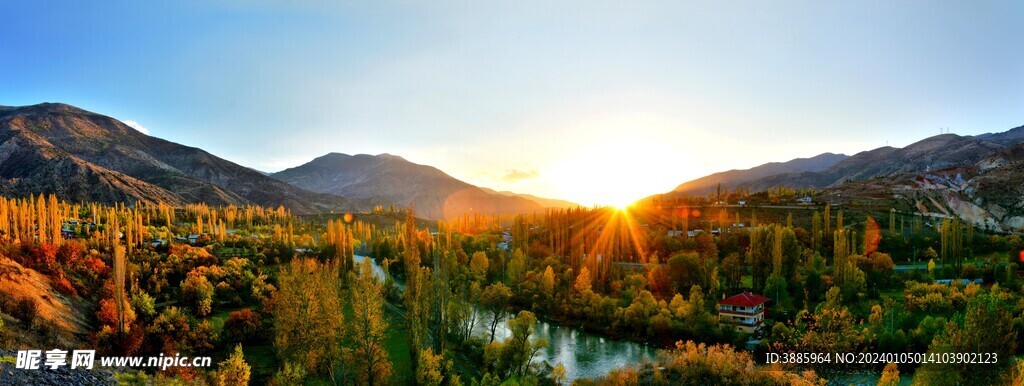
<point>614,173</point>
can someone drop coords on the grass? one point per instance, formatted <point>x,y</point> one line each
<point>228,252</point>
<point>263,361</point>
<point>398,350</point>
<point>218,318</point>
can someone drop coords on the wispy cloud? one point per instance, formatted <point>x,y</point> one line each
<point>136,126</point>
<point>516,175</point>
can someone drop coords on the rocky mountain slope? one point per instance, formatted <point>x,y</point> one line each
<point>387,178</point>
<point>80,155</point>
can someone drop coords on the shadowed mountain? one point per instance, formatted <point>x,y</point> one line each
<point>391,179</point>
<point>77,154</point>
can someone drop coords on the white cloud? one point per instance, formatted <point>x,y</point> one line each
<point>136,126</point>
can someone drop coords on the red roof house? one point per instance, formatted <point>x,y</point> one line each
<point>743,312</point>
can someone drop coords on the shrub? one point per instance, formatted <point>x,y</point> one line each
<point>26,310</point>
<point>242,325</point>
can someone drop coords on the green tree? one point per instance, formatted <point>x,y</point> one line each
<point>513,356</point>
<point>986,326</point>
<point>496,298</point>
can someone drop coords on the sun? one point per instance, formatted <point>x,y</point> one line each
<point>621,204</point>
<point>613,175</point>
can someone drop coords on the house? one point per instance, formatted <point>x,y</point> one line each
<point>743,312</point>
<point>67,233</point>
<point>192,238</point>
<point>675,233</point>
<point>806,200</point>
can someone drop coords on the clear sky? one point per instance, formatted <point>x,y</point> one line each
<point>591,101</point>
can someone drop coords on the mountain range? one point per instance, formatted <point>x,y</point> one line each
<point>978,178</point>
<point>85,156</point>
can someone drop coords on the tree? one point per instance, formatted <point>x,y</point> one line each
<point>428,370</point>
<point>986,326</point>
<point>890,375</point>
<point>416,315</point>
<point>558,376</point>
<point>308,318</point>
<point>197,291</point>
<point>513,356</point>
<point>516,266</point>
<point>242,325</point>
<point>495,298</point>
<point>234,370</point>
<point>547,282</point>
<point>291,373</point>
<point>120,269</point>
<point>582,283</point>
<point>368,356</point>
<point>435,370</point>
<point>479,265</point>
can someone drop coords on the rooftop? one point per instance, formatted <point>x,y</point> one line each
<point>748,299</point>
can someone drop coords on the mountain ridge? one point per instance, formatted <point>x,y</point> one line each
<point>104,150</point>
<point>393,179</point>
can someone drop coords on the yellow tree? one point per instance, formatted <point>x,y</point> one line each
<point>367,356</point>
<point>308,317</point>
<point>547,282</point>
<point>120,269</point>
<point>890,375</point>
<point>479,265</point>
<point>234,370</point>
<point>415,313</point>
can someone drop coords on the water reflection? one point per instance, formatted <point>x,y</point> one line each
<point>583,354</point>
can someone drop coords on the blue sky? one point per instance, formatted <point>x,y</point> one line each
<point>591,101</point>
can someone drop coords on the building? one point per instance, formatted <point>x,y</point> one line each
<point>743,312</point>
<point>806,200</point>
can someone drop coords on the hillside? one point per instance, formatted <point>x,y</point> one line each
<point>977,178</point>
<point>391,179</point>
<point>742,178</point>
<point>80,155</point>
<point>829,170</point>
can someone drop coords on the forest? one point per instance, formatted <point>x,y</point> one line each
<point>384,297</point>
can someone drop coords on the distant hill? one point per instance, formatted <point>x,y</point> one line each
<point>390,179</point>
<point>545,202</point>
<point>743,178</point>
<point>81,155</point>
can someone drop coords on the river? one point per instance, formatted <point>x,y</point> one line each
<point>583,354</point>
